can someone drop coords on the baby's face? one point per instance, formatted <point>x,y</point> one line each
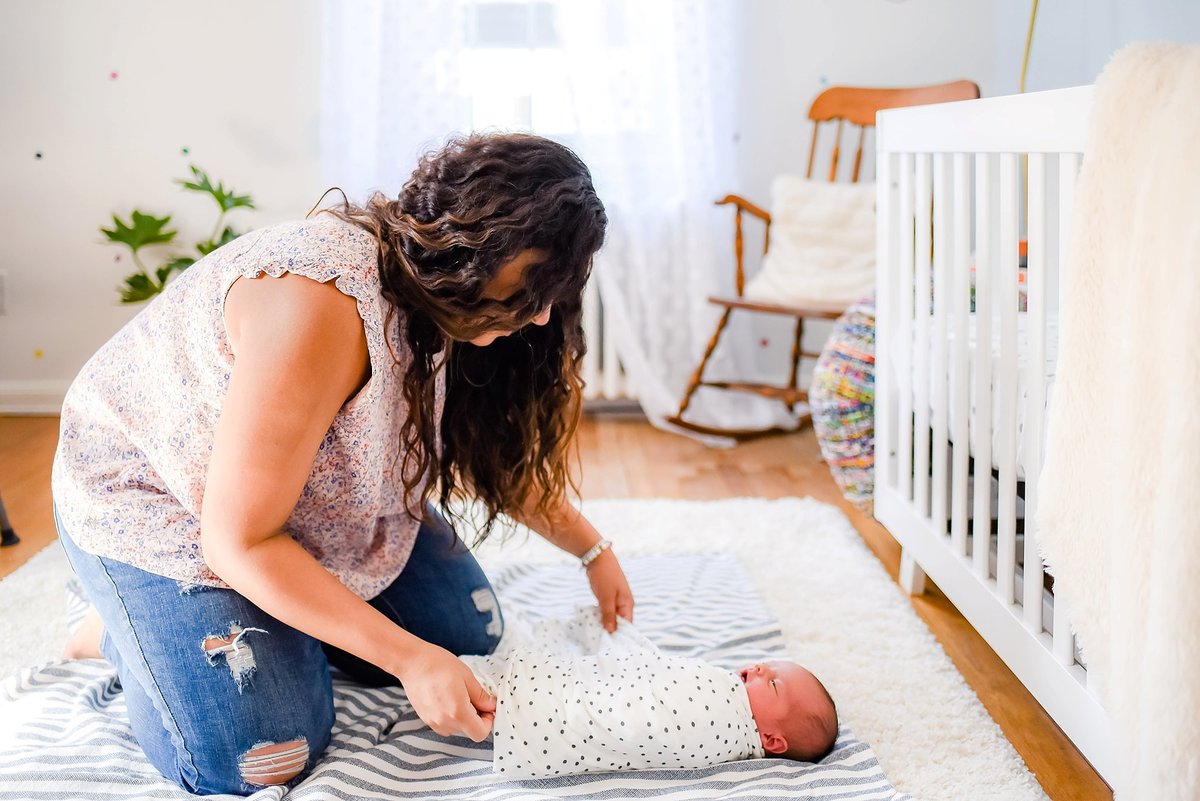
<point>780,693</point>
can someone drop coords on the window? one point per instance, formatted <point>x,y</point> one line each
<point>517,74</point>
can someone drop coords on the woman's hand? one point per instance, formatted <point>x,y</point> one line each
<point>446,695</point>
<point>567,528</point>
<point>611,589</point>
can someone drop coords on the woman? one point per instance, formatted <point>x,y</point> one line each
<point>246,474</point>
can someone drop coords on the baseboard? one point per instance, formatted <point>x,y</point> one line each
<point>32,397</point>
<point>613,407</point>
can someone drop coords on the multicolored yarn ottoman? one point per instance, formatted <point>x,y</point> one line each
<point>842,399</point>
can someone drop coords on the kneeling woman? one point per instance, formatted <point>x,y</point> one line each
<point>249,473</point>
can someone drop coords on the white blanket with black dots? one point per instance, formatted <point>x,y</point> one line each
<point>572,698</point>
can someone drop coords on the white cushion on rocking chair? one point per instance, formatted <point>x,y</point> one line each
<point>822,250</point>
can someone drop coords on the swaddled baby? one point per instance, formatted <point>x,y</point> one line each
<point>572,698</point>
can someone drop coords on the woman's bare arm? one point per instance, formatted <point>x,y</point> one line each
<point>567,528</point>
<point>300,353</point>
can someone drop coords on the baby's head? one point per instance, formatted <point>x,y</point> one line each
<point>795,715</point>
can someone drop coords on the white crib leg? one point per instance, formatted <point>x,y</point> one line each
<point>912,577</point>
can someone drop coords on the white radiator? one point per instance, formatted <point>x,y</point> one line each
<point>604,379</point>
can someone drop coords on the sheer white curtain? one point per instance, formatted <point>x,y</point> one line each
<point>644,91</point>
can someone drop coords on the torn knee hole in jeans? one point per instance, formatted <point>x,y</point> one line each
<point>485,602</point>
<point>236,652</point>
<point>270,763</point>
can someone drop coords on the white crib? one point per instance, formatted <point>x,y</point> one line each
<point>963,372</point>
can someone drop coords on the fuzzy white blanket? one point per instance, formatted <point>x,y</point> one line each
<point>822,251</point>
<point>1118,517</point>
<point>841,616</point>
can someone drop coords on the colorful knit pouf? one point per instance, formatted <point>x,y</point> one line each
<point>842,399</point>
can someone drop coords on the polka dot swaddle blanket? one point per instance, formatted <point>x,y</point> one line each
<point>572,698</point>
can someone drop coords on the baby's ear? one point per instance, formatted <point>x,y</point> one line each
<point>773,743</point>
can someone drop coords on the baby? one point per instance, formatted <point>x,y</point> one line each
<point>571,698</point>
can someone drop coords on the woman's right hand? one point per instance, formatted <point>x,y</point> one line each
<point>446,695</point>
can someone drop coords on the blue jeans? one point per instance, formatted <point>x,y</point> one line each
<point>224,698</point>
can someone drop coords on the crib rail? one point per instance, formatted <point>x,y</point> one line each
<point>965,341</point>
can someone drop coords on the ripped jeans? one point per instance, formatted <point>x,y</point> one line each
<point>224,698</point>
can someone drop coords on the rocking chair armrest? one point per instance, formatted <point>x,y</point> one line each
<point>745,205</point>
<point>739,240</point>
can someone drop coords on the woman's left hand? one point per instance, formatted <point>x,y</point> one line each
<point>611,589</point>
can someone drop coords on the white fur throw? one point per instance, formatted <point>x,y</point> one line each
<point>822,251</point>
<point>1118,517</point>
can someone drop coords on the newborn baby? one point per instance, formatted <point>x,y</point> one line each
<point>572,698</point>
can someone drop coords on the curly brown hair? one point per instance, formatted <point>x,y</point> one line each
<point>512,407</point>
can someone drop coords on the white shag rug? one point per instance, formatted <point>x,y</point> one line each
<point>841,615</point>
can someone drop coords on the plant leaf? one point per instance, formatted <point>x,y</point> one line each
<point>176,265</point>
<point>227,199</point>
<point>139,287</point>
<point>239,201</point>
<point>146,229</point>
<point>180,263</point>
<point>227,236</point>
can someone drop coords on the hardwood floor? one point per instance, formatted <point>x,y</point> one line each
<point>26,451</point>
<point>627,458</point>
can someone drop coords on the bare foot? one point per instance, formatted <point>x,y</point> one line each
<point>85,642</point>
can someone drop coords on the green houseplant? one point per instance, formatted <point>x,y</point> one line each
<point>145,230</point>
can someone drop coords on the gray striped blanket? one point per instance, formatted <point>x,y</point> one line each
<point>64,735</point>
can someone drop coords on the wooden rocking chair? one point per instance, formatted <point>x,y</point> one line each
<point>843,105</point>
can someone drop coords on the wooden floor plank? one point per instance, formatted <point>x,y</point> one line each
<point>625,458</point>
<point>26,452</point>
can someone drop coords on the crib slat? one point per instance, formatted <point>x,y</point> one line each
<point>943,237</point>
<point>1035,384</point>
<point>904,376</point>
<point>885,294</point>
<point>960,274</point>
<point>985,224</point>
<point>1068,169</point>
<point>920,370</point>
<point>1005,385</point>
<point>1064,639</point>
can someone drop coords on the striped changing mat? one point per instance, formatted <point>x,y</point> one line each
<point>64,736</point>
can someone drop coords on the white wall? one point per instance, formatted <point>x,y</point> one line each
<point>237,84</point>
<point>1074,39</point>
<point>234,82</point>
<point>796,48</point>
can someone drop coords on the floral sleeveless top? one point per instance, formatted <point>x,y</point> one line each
<point>138,422</point>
